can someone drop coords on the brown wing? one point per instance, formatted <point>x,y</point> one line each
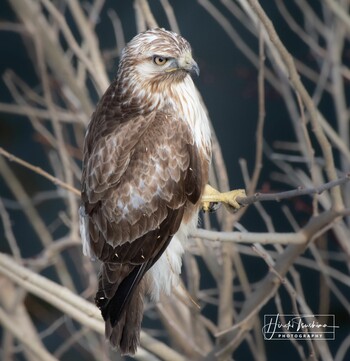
<point>138,174</point>
<point>134,178</point>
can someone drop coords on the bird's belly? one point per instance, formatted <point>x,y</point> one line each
<point>164,275</point>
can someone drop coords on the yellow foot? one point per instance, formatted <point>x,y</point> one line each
<point>229,199</point>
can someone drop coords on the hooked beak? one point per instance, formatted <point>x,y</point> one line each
<point>194,68</point>
<point>186,63</point>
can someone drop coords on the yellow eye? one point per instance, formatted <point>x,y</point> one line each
<point>159,60</point>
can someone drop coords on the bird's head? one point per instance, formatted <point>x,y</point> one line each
<point>155,57</point>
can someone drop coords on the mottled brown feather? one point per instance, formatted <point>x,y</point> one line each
<point>156,151</point>
<point>143,175</point>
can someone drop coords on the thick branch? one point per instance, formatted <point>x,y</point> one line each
<point>72,305</point>
<point>11,317</point>
<point>18,332</point>
<point>250,237</point>
<point>269,286</point>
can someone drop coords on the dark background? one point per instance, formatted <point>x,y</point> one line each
<point>228,84</point>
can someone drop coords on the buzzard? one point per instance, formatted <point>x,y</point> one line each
<point>146,156</point>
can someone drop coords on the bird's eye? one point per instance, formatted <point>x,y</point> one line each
<point>159,60</point>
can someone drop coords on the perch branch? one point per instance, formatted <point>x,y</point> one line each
<point>261,197</point>
<point>258,197</point>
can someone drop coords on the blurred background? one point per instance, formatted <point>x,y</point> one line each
<point>42,73</point>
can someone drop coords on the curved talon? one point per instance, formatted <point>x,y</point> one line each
<point>205,206</point>
<point>211,197</point>
<point>230,198</point>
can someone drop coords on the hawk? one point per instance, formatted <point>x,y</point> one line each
<point>146,157</point>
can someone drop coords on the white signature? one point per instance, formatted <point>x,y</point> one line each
<point>295,324</point>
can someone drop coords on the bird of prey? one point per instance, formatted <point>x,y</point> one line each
<point>146,156</point>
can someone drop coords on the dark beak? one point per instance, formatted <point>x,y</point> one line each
<point>187,63</point>
<point>194,69</point>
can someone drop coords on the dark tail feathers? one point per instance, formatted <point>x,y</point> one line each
<point>121,305</point>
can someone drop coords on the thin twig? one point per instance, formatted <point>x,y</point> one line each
<point>299,87</point>
<point>11,239</point>
<point>147,13</point>
<point>169,11</point>
<point>261,118</point>
<point>261,197</point>
<point>100,79</point>
<point>258,197</point>
<point>27,110</point>
<point>40,171</point>
<point>29,12</point>
<point>99,73</point>
<point>268,287</point>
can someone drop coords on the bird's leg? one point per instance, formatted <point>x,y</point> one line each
<point>211,195</point>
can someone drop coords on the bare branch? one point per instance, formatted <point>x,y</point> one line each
<point>62,40</point>
<point>28,12</point>
<point>27,110</point>
<point>268,287</point>
<point>147,13</point>
<point>38,351</point>
<point>40,171</point>
<point>71,304</point>
<point>299,87</point>
<point>260,197</point>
